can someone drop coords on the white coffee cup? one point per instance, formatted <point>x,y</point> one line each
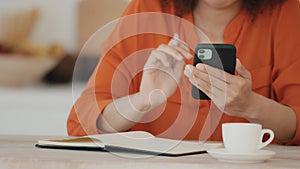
<point>245,137</point>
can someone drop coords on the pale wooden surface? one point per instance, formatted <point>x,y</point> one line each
<point>20,152</point>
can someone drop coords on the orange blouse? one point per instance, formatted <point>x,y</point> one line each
<point>267,46</point>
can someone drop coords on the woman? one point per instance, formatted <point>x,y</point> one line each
<point>264,90</point>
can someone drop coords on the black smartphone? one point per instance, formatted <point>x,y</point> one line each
<point>221,56</point>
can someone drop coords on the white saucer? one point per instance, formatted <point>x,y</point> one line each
<point>257,157</point>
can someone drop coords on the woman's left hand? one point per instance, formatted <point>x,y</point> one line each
<point>231,94</point>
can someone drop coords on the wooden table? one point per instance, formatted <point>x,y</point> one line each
<point>20,152</point>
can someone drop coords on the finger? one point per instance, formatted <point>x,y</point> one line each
<point>171,51</point>
<point>242,71</point>
<point>219,99</point>
<point>179,43</point>
<point>164,58</point>
<point>197,78</point>
<point>212,92</point>
<point>192,72</point>
<point>213,88</point>
<point>215,72</point>
<point>202,85</point>
<point>215,94</point>
<point>184,45</point>
<point>175,40</point>
<point>186,53</point>
<point>213,81</point>
<point>196,73</point>
<point>188,73</point>
<point>181,46</point>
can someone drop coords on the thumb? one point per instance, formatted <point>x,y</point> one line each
<point>175,40</point>
<point>242,71</point>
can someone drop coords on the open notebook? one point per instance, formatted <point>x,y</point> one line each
<point>132,142</point>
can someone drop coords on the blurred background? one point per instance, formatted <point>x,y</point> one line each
<point>39,45</point>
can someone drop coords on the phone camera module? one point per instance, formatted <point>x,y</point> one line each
<point>201,56</point>
<point>205,54</point>
<point>201,51</point>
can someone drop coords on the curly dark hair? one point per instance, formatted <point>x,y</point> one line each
<point>253,7</point>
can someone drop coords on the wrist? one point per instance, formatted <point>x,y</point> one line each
<point>140,102</point>
<point>149,101</point>
<point>253,112</point>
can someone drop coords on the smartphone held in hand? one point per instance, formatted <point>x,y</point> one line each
<point>221,56</point>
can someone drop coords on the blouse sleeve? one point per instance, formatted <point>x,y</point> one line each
<point>286,77</point>
<point>114,77</point>
<point>97,95</point>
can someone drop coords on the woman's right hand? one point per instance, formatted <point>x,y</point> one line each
<point>161,76</point>
<point>163,70</point>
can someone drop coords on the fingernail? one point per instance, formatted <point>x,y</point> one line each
<point>200,66</point>
<point>188,56</point>
<point>176,39</point>
<point>189,68</point>
<point>176,36</point>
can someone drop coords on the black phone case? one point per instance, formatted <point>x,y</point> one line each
<point>223,57</point>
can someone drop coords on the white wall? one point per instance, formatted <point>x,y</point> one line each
<point>36,110</point>
<point>41,109</point>
<point>57,22</point>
